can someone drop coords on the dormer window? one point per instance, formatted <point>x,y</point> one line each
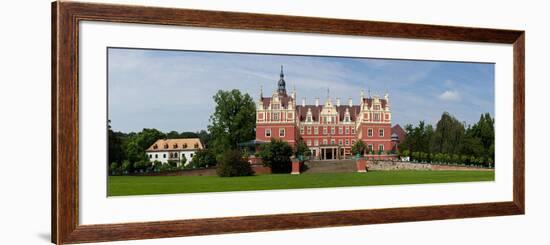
<point>165,146</point>
<point>155,146</point>
<point>175,146</point>
<point>309,116</point>
<point>196,145</point>
<point>184,145</point>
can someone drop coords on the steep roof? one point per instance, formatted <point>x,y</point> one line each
<point>316,110</point>
<point>398,130</point>
<point>176,144</point>
<point>369,101</point>
<point>284,101</point>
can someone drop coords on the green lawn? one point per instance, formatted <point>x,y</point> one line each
<point>145,185</point>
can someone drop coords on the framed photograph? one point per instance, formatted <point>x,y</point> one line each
<point>176,122</point>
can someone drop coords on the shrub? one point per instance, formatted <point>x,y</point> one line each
<point>276,154</point>
<point>173,163</point>
<point>166,167</point>
<point>126,167</point>
<point>302,149</point>
<point>157,165</point>
<point>233,164</point>
<point>114,168</point>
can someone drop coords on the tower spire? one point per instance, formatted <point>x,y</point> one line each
<point>281,84</point>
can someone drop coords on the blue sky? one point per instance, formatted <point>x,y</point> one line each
<point>172,90</point>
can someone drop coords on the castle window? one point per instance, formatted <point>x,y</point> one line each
<point>275,106</point>
<point>332,130</point>
<point>301,129</point>
<point>340,130</point>
<point>377,107</point>
<point>308,142</point>
<point>282,132</point>
<point>347,141</point>
<point>352,130</point>
<point>381,132</point>
<point>381,147</point>
<point>325,141</point>
<point>369,132</point>
<point>268,132</point>
<point>369,148</point>
<point>325,131</point>
<point>316,130</point>
<point>332,141</point>
<point>376,116</point>
<point>316,142</point>
<point>276,116</point>
<point>347,130</point>
<point>340,142</point>
<point>308,130</point>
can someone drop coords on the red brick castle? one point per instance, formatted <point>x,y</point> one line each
<point>328,129</point>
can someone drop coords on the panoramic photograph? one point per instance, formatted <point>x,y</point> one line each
<point>185,121</point>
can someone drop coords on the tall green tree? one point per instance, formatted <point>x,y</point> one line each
<point>448,134</point>
<point>233,120</point>
<point>116,152</point>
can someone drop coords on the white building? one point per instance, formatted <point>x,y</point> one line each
<point>164,150</point>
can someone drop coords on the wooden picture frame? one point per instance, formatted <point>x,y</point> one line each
<point>65,121</point>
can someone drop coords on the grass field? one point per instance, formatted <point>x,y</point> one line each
<point>146,185</point>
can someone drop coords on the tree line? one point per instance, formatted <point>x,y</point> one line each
<point>232,122</point>
<point>451,141</point>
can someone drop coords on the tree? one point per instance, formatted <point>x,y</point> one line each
<point>233,120</point>
<point>183,160</point>
<point>302,149</point>
<point>276,154</point>
<point>116,152</point>
<point>233,164</point>
<point>448,134</point>
<point>173,135</point>
<point>138,143</point>
<point>358,148</point>
<point>204,158</point>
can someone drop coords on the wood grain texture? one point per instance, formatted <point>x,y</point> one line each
<point>65,122</point>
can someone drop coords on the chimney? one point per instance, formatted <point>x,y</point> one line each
<point>317,101</point>
<point>303,101</point>
<point>337,101</point>
<point>350,102</point>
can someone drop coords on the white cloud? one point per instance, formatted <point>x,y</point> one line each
<point>450,96</point>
